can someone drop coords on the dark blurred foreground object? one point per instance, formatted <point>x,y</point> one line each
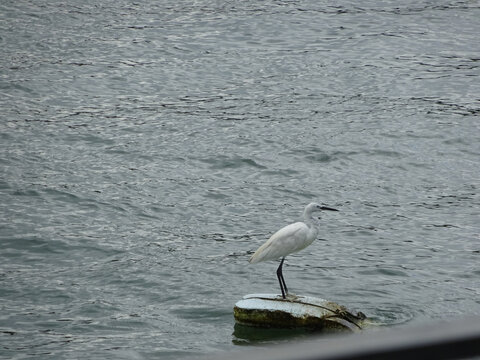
<point>456,339</point>
<point>274,311</point>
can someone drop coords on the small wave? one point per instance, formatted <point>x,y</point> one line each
<point>233,162</point>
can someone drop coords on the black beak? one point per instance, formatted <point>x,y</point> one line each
<point>327,208</point>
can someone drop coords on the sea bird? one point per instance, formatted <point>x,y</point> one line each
<point>290,239</point>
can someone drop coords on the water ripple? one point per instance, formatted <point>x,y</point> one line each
<point>148,148</point>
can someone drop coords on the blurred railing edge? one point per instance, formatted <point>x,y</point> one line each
<point>453,339</point>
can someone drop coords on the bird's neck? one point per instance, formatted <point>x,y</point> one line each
<point>311,220</point>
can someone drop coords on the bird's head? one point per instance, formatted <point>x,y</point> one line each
<point>317,207</point>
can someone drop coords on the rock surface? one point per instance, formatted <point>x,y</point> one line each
<point>271,310</point>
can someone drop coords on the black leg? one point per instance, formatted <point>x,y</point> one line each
<point>281,280</point>
<point>284,285</point>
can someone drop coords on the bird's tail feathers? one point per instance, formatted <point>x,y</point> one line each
<point>253,259</point>
<point>261,254</point>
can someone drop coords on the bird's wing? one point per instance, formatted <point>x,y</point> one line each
<point>285,241</point>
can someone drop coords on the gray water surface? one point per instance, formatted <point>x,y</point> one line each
<point>148,148</point>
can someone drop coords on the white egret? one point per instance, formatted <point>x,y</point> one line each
<point>290,239</point>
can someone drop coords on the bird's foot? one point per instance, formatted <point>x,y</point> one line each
<point>292,297</point>
<point>288,297</point>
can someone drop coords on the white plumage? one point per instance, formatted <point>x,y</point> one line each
<point>290,239</point>
<point>287,240</point>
